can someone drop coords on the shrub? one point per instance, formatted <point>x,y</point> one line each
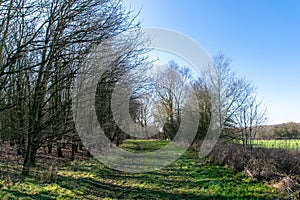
<point>260,163</point>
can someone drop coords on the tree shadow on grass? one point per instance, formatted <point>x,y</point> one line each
<point>18,195</point>
<point>98,189</point>
<point>185,179</point>
<point>110,190</point>
<point>153,185</point>
<point>190,181</point>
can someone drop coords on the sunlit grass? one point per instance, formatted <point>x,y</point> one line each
<point>284,144</point>
<point>143,145</point>
<point>187,178</point>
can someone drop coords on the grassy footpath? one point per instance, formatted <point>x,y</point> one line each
<point>187,178</point>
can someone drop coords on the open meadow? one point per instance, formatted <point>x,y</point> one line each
<point>292,144</point>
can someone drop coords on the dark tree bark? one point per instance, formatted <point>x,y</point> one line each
<point>59,150</point>
<point>29,160</point>
<point>50,146</point>
<point>74,147</point>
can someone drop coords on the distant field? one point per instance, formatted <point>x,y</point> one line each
<point>285,144</point>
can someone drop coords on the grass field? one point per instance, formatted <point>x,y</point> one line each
<point>187,178</point>
<point>285,144</point>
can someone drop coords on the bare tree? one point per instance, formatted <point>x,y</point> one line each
<point>227,92</point>
<point>204,105</point>
<point>171,88</point>
<point>124,69</point>
<point>43,44</point>
<point>249,119</point>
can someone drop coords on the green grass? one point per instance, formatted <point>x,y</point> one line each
<point>144,145</point>
<point>187,178</point>
<point>285,144</point>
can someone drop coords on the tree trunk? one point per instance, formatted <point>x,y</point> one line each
<point>59,151</point>
<point>49,148</point>
<point>29,160</point>
<point>88,154</point>
<point>74,147</point>
<point>21,149</point>
<point>31,150</point>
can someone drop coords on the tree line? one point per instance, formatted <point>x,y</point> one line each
<point>43,46</point>
<point>218,90</point>
<point>290,130</point>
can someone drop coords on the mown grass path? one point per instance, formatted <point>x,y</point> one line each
<point>187,178</point>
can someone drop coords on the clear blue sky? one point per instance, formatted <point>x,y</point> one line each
<point>262,37</point>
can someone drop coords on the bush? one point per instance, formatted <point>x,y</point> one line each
<point>275,165</point>
<point>260,163</point>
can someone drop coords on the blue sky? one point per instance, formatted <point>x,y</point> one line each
<point>262,37</point>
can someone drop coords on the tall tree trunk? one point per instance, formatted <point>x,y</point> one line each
<point>29,160</point>
<point>49,147</point>
<point>75,148</point>
<point>32,147</point>
<point>88,153</point>
<point>59,150</point>
<point>21,149</point>
<point>73,151</point>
